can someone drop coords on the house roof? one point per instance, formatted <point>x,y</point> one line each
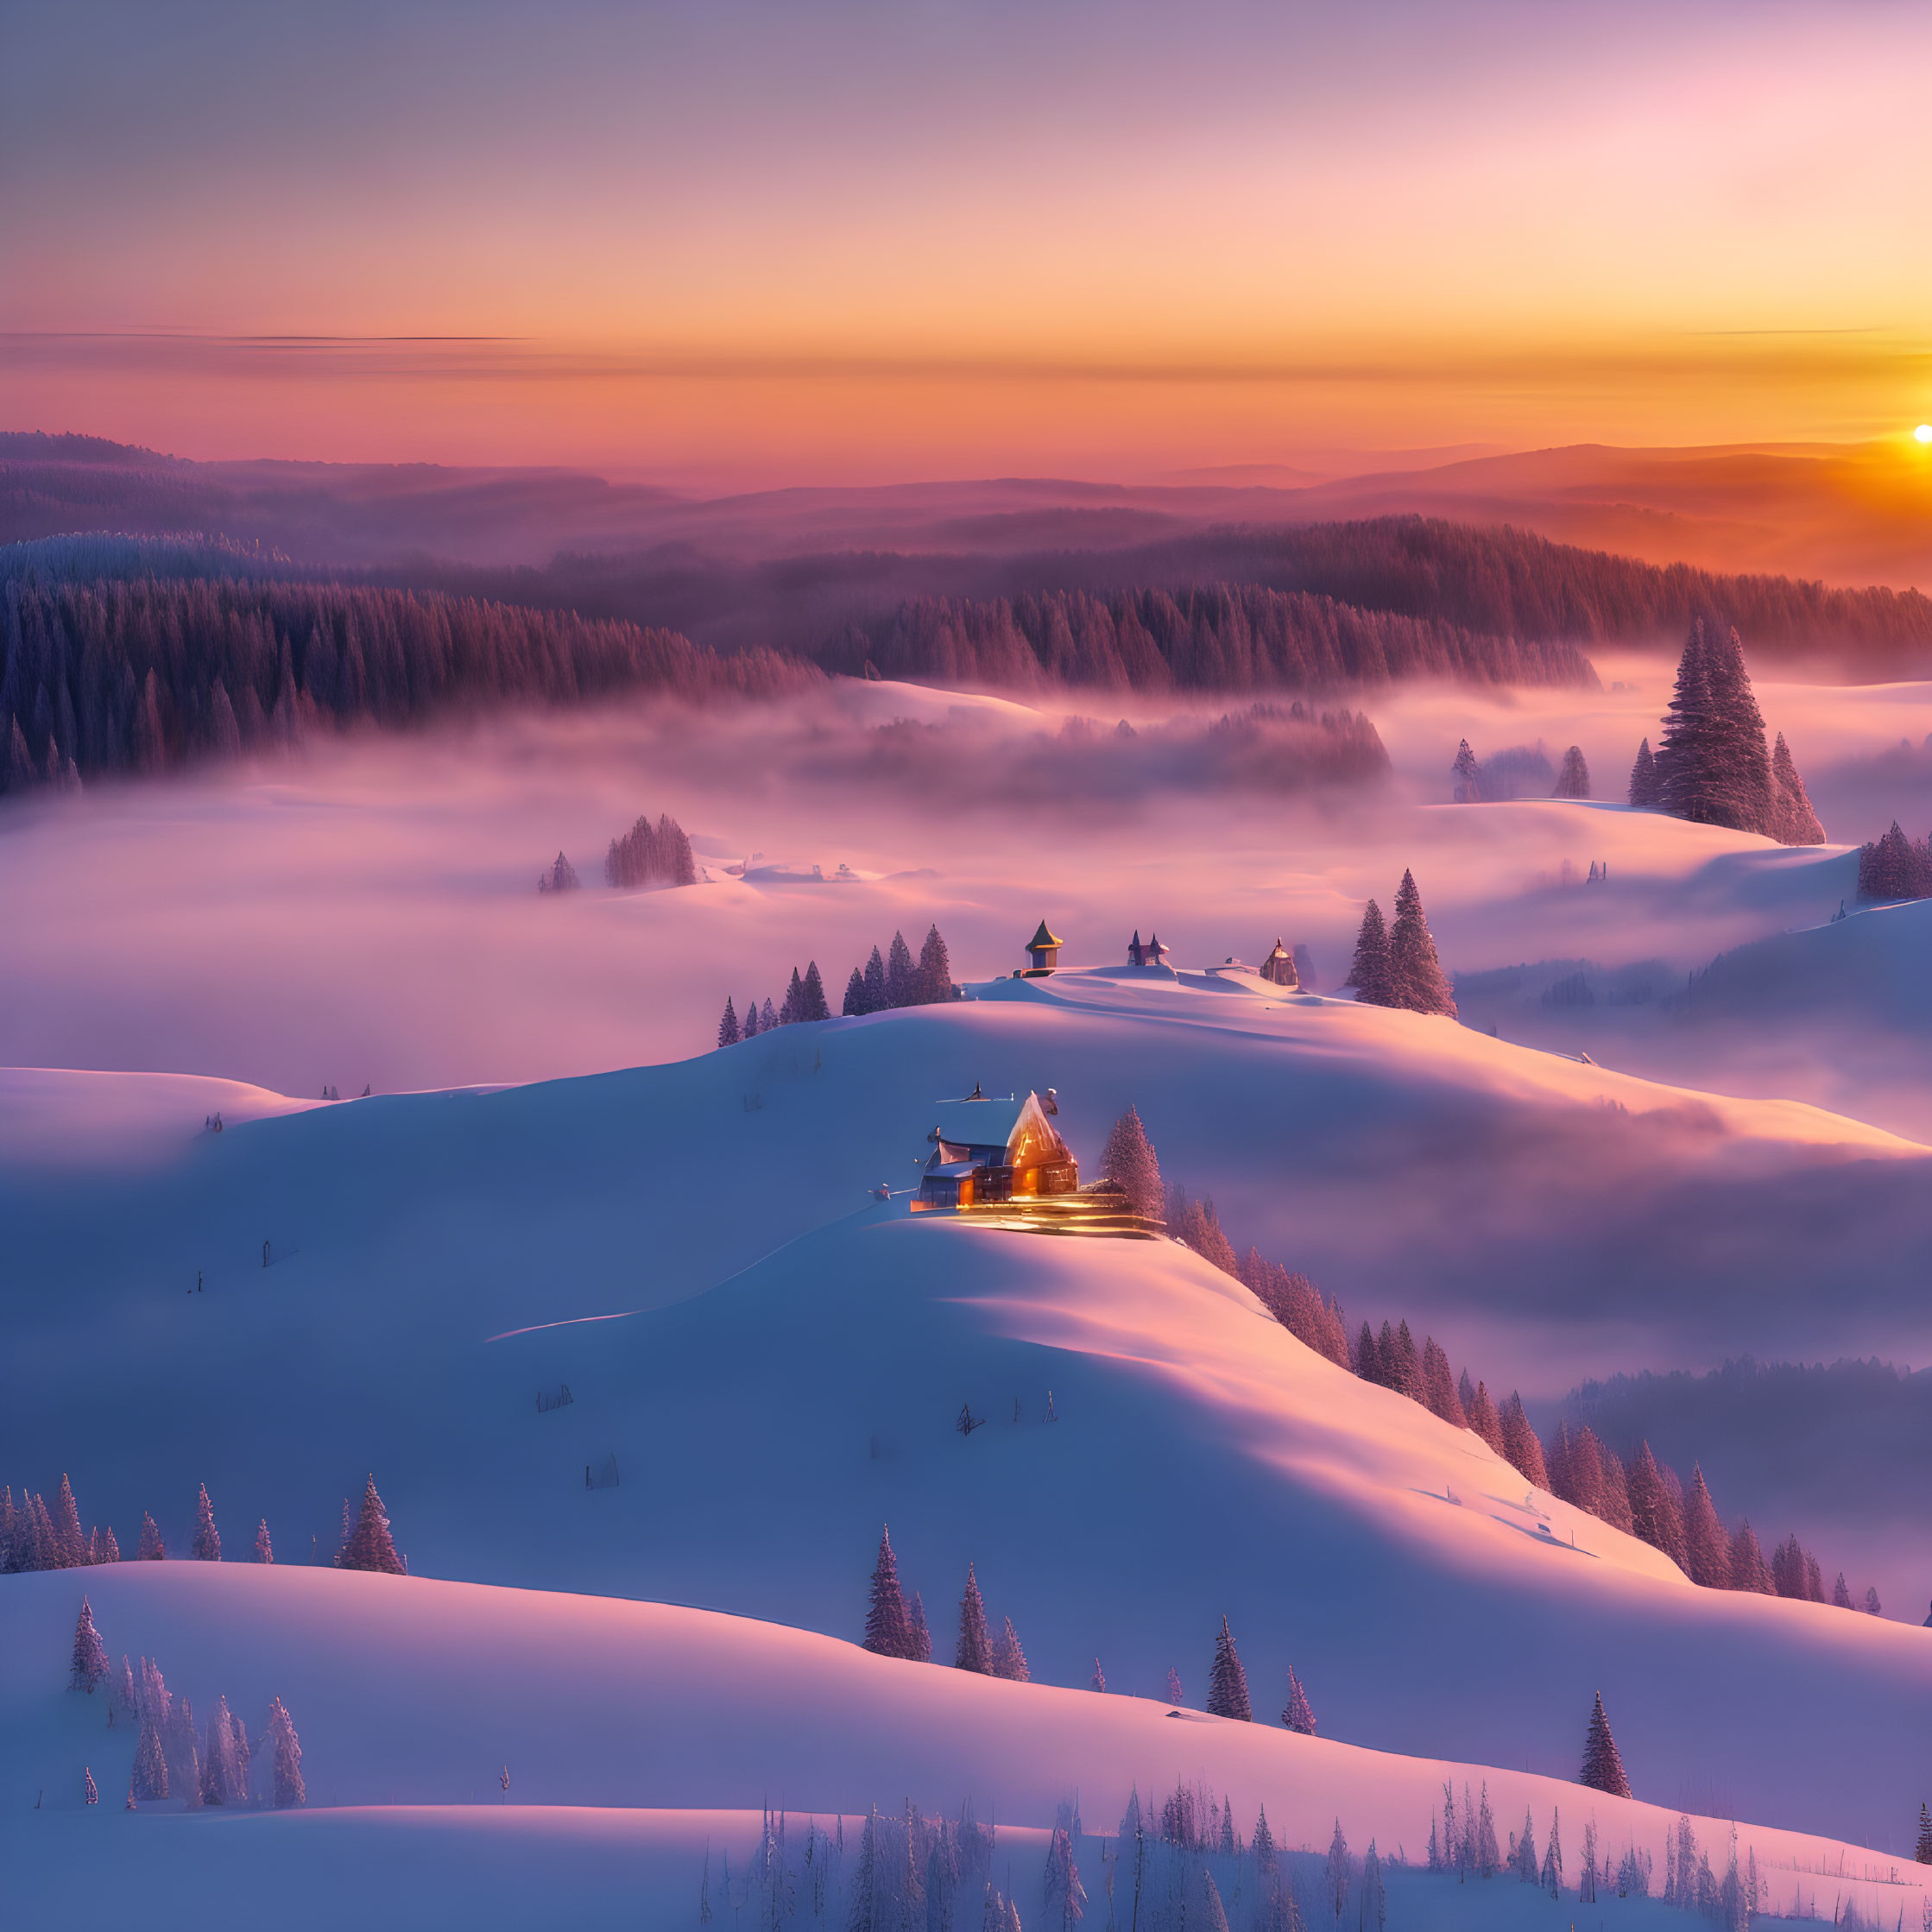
<point>1043,937</point>
<point>980,1123</point>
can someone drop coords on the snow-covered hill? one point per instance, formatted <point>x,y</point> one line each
<point>640,1740</point>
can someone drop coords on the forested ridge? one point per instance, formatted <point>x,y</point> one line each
<point>1219,638</point>
<point>145,673</point>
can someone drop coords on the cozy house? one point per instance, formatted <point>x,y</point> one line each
<point>1042,951</point>
<point>986,1149</point>
<point>1152,954</point>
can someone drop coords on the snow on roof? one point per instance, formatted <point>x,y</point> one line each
<point>987,1122</point>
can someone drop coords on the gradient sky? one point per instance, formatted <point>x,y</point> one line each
<point>858,240</point>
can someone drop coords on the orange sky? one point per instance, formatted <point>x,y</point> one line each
<point>856,243</point>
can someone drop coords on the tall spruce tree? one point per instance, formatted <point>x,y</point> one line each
<point>974,1650</point>
<point>1654,1513</point>
<point>935,970</point>
<point>889,1628</point>
<point>876,1001</point>
<point>70,1546</point>
<point>1008,1659</point>
<point>1520,1444</point>
<point>207,1538</point>
<point>1603,1766</point>
<point>285,1748</point>
<point>793,1009</point>
<point>150,1549</point>
<point>1749,1570</point>
<point>264,1550</point>
<point>1484,1421</point>
<point>90,1654</point>
<point>1646,791</point>
<point>1706,1546</point>
<point>1573,781</point>
<point>1416,981</point>
<point>1793,822</point>
<point>369,1544</point>
<point>1713,766</point>
<point>1297,1715</point>
<point>150,1763</point>
<point>728,1031</point>
<point>1228,1682</point>
<point>921,1651</point>
<point>901,974</point>
<point>1128,1160</point>
<point>855,996</point>
<point>1468,775</point>
<point>1923,1854</point>
<point>812,994</point>
<point>1371,972</point>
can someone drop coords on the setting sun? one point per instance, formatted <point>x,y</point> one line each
<point>1923,432</point>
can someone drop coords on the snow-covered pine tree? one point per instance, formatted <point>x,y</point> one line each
<point>889,1629</point>
<point>1008,1659</point>
<point>1296,1714</point>
<point>90,1654</point>
<point>1371,971</point>
<point>69,1545</point>
<point>150,1763</point>
<point>370,1545</point>
<point>183,1747</point>
<point>1871,1605</point>
<point>921,1651</point>
<point>1923,1854</point>
<point>1401,1365</point>
<point>264,1550</point>
<point>812,994</point>
<point>90,1791</point>
<point>728,1031</point>
<point>1483,1422</point>
<point>286,1749</point>
<point>220,1778</point>
<point>110,1550</point>
<point>1793,822</point>
<point>752,1027</point>
<point>1128,1160</point>
<point>1707,1549</point>
<point>207,1538</point>
<point>1099,1679</point>
<point>1523,1852</point>
<point>1520,1445</point>
<point>875,1000</point>
<point>1267,1857</point>
<point>149,1548</point>
<point>1603,1766</point>
<point>1228,1682</point>
<point>1749,1570</point>
<point>793,1009</point>
<point>1174,1694</point>
<point>975,1651</point>
<point>1338,1871</point>
<point>1208,1913</point>
<point>1367,1360</point>
<point>1645,790</point>
<point>1654,1514</point>
<point>768,1017</point>
<point>1416,981</point>
<point>1439,1384</point>
<point>855,996</point>
<point>1840,1594</point>
<point>935,970</point>
<point>1489,1858</point>
<point>901,974</point>
<point>1066,1897</point>
<point>1552,1874</point>
<point>1374,1914</point>
<point>123,1690</point>
<point>1573,781</point>
<point>1199,1228</point>
<point>1468,775</point>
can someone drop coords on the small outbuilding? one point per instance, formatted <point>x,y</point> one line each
<point>1279,967</point>
<point>1043,950</point>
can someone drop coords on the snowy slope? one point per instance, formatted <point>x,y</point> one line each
<point>1203,1463</point>
<point>636,1735</point>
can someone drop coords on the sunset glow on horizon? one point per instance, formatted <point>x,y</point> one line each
<point>773,246</point>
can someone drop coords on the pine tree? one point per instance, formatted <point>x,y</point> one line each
<point>1487,1858</point>
<point>811,995</point>
<point>935,970</point>
<point>728,1031</point>
<point>90,1654</point>
<point>1417,981</point>
<point>69,1544</point>
<point>1439,1384</point>
<point>150,1763</point>
<point>1228,1682</point>
<point>1371,972</point>
<point>1654,1514</point>
<point>264,1550</point>
<point>1706,1546</point>
<point>1520,1445</point>
<point>1066,1897</point>
<point>1749,1570</point>
<point>793,1009</point>
<point>1573,780</point>
<point>1468,774</point>
<point>110,1550</point>
<point>1713,766</point>
<point>1603,1766</point>
<point>239,1736</point>
<point>370,1545</point>
<point>1008,1659</point>
<point>1266,1855</point>
<point>1793,822</point>
<point>150,1547</point>
<point>876,1001</point>
<point>921,1651</point>
<point>855,996</point>
<point>207,1538</point>
<point>180,1741</point>
<point>1338,1871</point>
<point>1401,1365</point>
<point>220,1783</point>
<point>1174,1693</point>
<point>889,1629</point>
<point>1553,1856</point>
<point>1099,1679</point>
<point>752,1028</point>
<point>768,1017</point>
<point>1295,1715</point>
<point>1841,1595</point>
<point>89,1791</point>
<point>975,1647</point>
<point>1483,1422</point>
<point>901,974</point>
<point>1199,1228</point>
<point>1872,1605</point>
<point>1367,1362</point>
<point>1646,791</point>
<point>1128,1161</point>
<point>289,1789</point>
<point>1924,1851</point>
